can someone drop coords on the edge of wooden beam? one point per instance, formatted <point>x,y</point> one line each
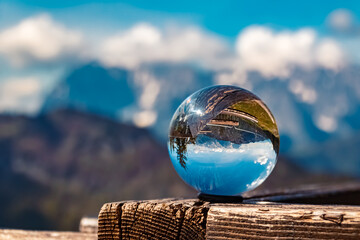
<point>108,221</point>
<point>153,219</point>
<point>12,234</point>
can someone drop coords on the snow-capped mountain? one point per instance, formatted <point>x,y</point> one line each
<point>311,106</point>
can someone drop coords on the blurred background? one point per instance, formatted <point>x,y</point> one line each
<point>88,88</point>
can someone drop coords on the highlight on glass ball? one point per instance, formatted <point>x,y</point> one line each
<point>223,140</point>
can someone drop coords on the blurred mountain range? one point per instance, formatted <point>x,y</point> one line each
<point>57,167</point>
<point>124,95</point>
<point>311,107</point>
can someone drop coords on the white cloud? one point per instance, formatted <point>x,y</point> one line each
<point>145,43</point>
<point>341,20</point>
<point>257,48</point>
<point>276,54</point>
<point>21,95</point>
<point>38,38</point>
<point>132,47</point>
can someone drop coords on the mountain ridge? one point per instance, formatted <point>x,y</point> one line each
<point>51,164</point>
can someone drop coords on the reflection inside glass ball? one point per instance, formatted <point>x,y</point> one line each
<point>223,140</point>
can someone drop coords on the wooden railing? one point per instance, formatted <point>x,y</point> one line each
<point>309,212</point>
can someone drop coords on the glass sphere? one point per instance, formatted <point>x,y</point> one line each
<point>223,140</point>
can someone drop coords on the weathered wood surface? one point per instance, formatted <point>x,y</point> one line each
<point>253,219</point>
<point>193,219</point>
<point>155,219</point>
<point>282,221</point>
<point>42,235</point>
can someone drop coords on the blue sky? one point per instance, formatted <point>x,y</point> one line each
<point>223,17</point>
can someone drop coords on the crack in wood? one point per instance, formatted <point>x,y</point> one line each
<point>335,218</point>
<point>182,218</point>
<point>118,212</point>
<point>306,215</point>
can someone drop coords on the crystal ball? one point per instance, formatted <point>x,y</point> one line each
<point>223,140</point>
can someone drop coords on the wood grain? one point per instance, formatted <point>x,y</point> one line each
<point>155,219</point>
<point>262,215</point>
<point>42,235</point>
<point>109,221</point>
<point>282,221</point>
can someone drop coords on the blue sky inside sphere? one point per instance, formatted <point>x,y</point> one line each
<point>226,170</point>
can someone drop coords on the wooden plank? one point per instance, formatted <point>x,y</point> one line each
<point>282,221</point>
<point>155,219</point>
<point>42,235</point>
<point>195,219</point>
